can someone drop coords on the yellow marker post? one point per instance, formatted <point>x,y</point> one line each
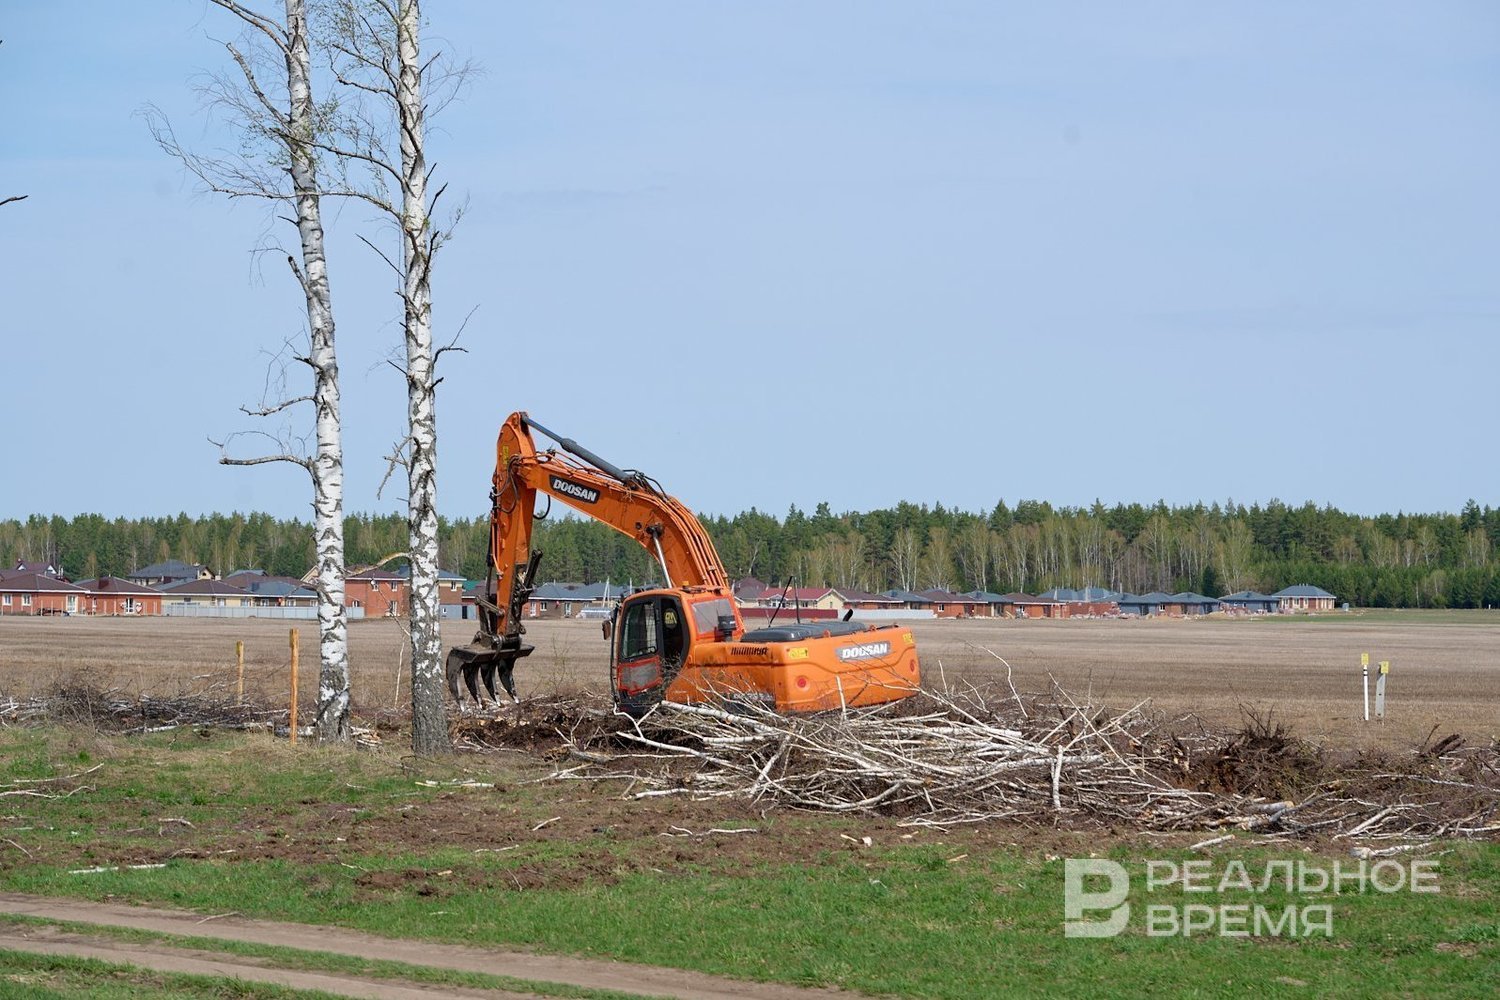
<point>239,672</point>
<point>293,720</point>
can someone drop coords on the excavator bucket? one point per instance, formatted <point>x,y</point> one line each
<point>493,652</point>
<point>481,662</point>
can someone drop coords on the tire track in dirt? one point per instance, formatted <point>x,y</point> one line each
<point>583,972</point>
<point>157,958</point>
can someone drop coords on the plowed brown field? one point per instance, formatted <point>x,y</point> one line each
<point>1445,666</point>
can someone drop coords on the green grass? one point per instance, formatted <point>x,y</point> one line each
<point>902,920</point>
<point>28,976</point>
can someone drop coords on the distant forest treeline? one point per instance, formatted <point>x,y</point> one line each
<point>1393,560</point>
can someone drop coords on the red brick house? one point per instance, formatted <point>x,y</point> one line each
<point>949,605</point>
<point>450,588</point>
<point>36,594</point>
<point>1017,605</point>
<point>379,591</point>
<point>1304,597</point>
<point>110,595</point>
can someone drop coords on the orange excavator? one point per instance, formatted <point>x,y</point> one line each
<point>684,642</point>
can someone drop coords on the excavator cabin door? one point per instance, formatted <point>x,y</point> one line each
<point>650,645</point>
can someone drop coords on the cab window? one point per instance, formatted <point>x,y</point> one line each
<point>638,631</point>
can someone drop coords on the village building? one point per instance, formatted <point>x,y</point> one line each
<point>25,567</point>
<point>1190,604</point>
<point>1016,605</point>
<point>450,588</point>
<point>268,591</point>
<point>1089,602</point>
<point>792,597</point>
<point>844,598</point>
<point>203,594</point>
<point>946,604</point>
<point>1025,605</point>
<point>1304,597</point>
<point>381,593</point>
<point>1145,605</point>
<point>566,600</point>
<point>1251,602</point>
<point>37,594</point>
<point>909,600</point>
<point>748,590</point>
<point>1183,605</point>
<point>169,572</point>
<point>995,605</point>
<point>110,595</point>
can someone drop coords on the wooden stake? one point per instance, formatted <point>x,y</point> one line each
<point>239,672</point>
<point>293,725</point>
<point>1385,669</point>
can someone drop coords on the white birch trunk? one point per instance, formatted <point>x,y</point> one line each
<point>328,462</point>
<point>429,720</point>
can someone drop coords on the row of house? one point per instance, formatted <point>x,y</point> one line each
<point>757,599</point>
<point>1060,602</point>
<point>167,587</point>
<point>40,589</point>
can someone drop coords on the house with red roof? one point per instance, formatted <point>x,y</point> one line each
<point>38,594</point>
<point>949,605</point>
<point>110,595</point>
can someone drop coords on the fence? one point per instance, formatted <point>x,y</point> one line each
<point>210,611</point>
<point>902,615</point>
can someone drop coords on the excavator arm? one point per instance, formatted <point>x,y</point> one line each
<point>628,501</point>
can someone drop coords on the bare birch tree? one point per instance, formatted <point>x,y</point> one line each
<point>906,549</point>
<point>846,560</point>
<point>974,554</point>
<point>278,162</point>
<point>936,565</point>
<point>376,52</point>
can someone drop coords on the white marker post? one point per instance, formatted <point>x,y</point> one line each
<point>1364,674</point>
<point>1385,668</point>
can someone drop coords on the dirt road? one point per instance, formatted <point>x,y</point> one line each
<point>581,972</point>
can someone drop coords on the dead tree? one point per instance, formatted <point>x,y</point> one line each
<point>278,162</point>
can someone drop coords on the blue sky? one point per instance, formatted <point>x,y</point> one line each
<point>782,253</point>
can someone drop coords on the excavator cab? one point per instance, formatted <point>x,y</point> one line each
<point>649,647</point>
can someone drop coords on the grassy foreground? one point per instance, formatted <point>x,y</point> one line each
<point>47,977</point>
<point>376,843</point>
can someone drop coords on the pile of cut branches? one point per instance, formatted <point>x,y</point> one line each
<point>112,710</point>
<point>945,759</point>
